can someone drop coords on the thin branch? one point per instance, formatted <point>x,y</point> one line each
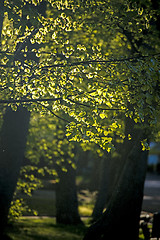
<point>78,103</point>
<point>130,38</point>
<point>8,101</point>
<point>65,120</point>
<point>130,59</point>
<point>24,42</point>
<point>100,61</point>
<point>89,106</point>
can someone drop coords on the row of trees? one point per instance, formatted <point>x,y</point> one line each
<point>96,66</point>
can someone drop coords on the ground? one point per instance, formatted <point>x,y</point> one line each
<point>43,228</point>
<point>151,200</point>
<point>43,200</point>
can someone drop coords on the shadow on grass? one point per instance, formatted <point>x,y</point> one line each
<point>44,229</point>
<point>47,229</point>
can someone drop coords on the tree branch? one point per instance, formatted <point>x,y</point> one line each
<point>8,101</point>
<point>130,59</point>
<point>14,101</point>
<point>100,61</point>
<point>90,106</point>
<point>65,120</point>
<point>24,42</point>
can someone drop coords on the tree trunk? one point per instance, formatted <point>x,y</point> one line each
<point>66,197</point>
<point>104,188</point>
<point>1,17</point>
<point>123,212</point>
<point>110,170</point>
<point>12,146</point>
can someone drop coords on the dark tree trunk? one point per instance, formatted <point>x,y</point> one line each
<point>123,212</point>
<point>104,188</point>
<point>110,170</point>
<point>94,173</point>
<point>13,141</point>
<point>12,146</point>
<point>66,197</point>
<point>1,17</point>
<point>122,215</point>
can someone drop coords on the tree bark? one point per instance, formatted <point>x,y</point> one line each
<point>123,212</point>
<point>1,17</point>
<point>104,188</point>
<point>13,141</point>
<point>66,197</point>
<point>110,170</point>
<point>12,146</point>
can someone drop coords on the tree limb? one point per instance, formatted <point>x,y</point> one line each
<point>8,101</point>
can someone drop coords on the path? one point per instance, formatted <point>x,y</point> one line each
<point>151,200</point>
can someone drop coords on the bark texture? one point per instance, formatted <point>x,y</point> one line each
<point>123,212</point>
<point>1,17</point>
<point>104,188</point>
<point>12,146</point>
<point>66,197</point>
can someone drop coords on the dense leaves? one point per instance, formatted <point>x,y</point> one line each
<point>96,58</point>
<point>88,63</point>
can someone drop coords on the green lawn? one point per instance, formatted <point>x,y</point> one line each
<point>44,229</point>
<point>47,229</point>
<point>44,203</point>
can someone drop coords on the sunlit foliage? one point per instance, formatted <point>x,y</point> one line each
<point>98,61</point>
<point>95,57</point>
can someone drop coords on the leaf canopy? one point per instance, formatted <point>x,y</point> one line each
<point>89,59</point>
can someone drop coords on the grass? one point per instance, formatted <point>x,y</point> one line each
<point>44,203</point>
<point>47,229</point>
<point>46,207</point>
<point>43,206</point>
<point>44,229</point>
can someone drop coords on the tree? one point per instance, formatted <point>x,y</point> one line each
<point>13,139</point>
<point>136,45</point>
<point>110,171</point>
<point>47,141</point>
<point>14,129</point>
<point>66,197</point>
<point>124,209</point>
<point>99,63</point>
<point>104,188</point>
